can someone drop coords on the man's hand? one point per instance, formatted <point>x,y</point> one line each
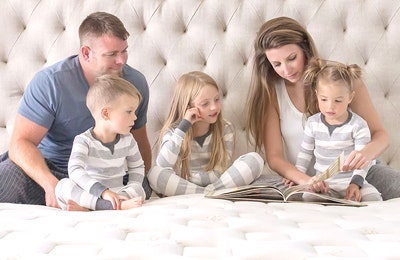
<point>50,195</point>
<point>51,200</point>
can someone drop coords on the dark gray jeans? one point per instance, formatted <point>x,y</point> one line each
<point>386,180</point>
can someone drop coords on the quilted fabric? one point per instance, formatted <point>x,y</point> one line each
<point>171,37</point>
<point>194,227</point>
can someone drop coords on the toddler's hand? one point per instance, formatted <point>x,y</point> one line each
<point>114,198</point>
<point>353,192</point>
<point>320,187</point>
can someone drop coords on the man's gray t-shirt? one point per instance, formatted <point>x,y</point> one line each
<point>56,100</point>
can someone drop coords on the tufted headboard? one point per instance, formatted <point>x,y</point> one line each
<point>171,37</point>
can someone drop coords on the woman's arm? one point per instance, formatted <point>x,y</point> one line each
<point>274,153</point>
<point>363,106</point>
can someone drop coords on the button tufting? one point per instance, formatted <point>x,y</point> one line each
<point>349,31</point>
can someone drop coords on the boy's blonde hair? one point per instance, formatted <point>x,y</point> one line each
<point>186,90</point>
<point>106,89</point>
<point>329,71</point>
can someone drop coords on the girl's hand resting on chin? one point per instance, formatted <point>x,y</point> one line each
<point>192,115</point>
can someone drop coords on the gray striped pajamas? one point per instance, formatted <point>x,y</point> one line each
<point>94,167</point>
<point>163,179</point>
<point>327,142</point>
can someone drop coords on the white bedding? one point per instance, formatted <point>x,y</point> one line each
<point>193,227</point>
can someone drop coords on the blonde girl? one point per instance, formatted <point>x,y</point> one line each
<point>335,129</point>
<point>196,143</point>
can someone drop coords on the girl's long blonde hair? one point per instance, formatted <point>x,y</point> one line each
<point>274,33</point>
<point>330,71</point>
<point>186,90</point>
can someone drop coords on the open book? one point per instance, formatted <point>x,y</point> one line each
<point>273,194</point>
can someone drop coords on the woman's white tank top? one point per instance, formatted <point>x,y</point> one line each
<point>291,121</point>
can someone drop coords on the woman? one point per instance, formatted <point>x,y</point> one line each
<point>279,104</point>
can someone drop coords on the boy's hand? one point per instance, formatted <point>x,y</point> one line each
<point>353,192</point>
<point>114,198</point>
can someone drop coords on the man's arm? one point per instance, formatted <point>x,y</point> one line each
<point>24,152</point>
<point>142,140</point>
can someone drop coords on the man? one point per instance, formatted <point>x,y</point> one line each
<point>53,111</point>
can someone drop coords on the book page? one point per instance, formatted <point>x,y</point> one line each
<point>326,199</point>
<point>273,194</point>
<point>295,189</point>
<point>334,168</point>
<point>248,192</point>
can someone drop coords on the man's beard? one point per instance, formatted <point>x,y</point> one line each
<point>111,71</point>
<point>117,73</point>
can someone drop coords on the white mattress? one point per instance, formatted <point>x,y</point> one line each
<point>194,227</point>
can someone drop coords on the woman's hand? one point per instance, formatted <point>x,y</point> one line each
<point>355,161</point>
<point>288,182</point>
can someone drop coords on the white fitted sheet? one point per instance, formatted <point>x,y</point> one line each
<point>195,227</point>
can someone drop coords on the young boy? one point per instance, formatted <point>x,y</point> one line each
<point>103,154</point>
